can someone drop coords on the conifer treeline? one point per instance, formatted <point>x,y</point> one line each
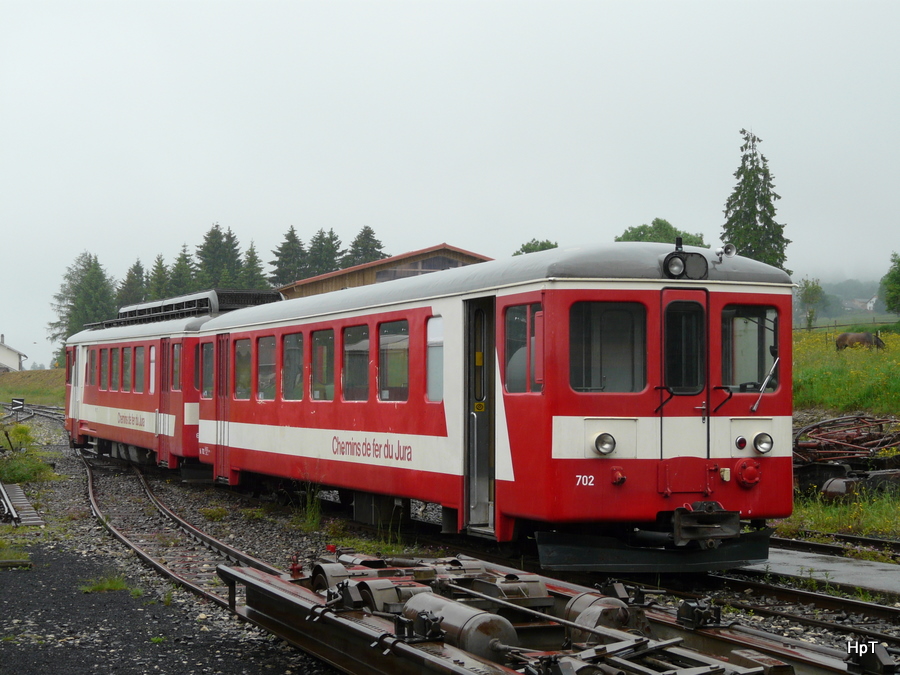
<point>219,263</point>
<point>88,294</point>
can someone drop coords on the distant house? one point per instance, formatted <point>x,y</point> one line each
<point>414,263</point>
<point>859,305</point>
<point>10,359</point>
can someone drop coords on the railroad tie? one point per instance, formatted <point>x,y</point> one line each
<point>27,514</point>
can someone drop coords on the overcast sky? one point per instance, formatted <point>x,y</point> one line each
<point>129,127</point>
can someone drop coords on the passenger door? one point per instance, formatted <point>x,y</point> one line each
<point>684,391</point>
<point>163,431</point>
<point>222,385</point>
<point>480,415</point>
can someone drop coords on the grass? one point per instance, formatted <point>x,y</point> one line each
<point>847,381</point>
<point>308,517</point>
<point>24,466</point>
<point>41,387</point>
<point>105,584</point>
<point>214,513</point>
<point>871,515</point>
<point>12,554</point>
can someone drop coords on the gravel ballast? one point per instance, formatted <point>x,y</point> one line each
<point>48,624</point>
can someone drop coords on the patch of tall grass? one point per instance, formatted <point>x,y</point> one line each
<point>846,381</point>
<point>41,387</point>
<point>868,515</point>
<point>20,462</point>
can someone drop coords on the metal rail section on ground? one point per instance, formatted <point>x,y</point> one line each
<point>462,616</point>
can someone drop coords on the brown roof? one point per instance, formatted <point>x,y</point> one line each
<point>385,262</point>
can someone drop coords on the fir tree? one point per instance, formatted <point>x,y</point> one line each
<point>750,210</point>
<point>252,276</point>
<point>210,258</point>
<point>133,289</point>
<point>182,276</point>
<point>87,295</point>
<point>364,248</point>
<point>231,261</point>
<point>324,253</point>
<point>158,281</point>
<point>290,260</point>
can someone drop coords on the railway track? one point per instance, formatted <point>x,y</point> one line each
<point>840,545</point>
<point>29,411</point>
<point>856,619</point>
<point>163,540</point>
<point>364,614</point>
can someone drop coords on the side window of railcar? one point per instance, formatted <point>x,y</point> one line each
<point>323,365</point>
<point>292,367</point>
<point>685,348</point>
<point>176,367</point>
<point>355,372</point>
<point>92,368</point>
<point>114,369</point>
<point>521,348</point>
<point>138,370</point>
<point>265,368</point>
<point>152,369</point>
<point>197,367</point>
<point>126,369</point>
<point>434,367</point>
<point>104,368</point>
<point>749,347</point>
<point>393,361</point>
<point>206,377</point>
<point>607,347</point>
<point>242,369</point>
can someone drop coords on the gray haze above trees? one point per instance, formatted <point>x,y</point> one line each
<point>132,126</point>
<point>88,294</point>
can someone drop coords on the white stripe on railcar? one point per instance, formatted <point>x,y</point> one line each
<point>408,451</point>
<point>639,437</point>
<point>123,418</point>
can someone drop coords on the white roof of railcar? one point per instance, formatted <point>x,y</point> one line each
<point>618,260</point>
<point>140,331</point>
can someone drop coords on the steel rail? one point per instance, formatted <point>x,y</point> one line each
<point>839,547</point>
<point>222,551</point>
<point>8,511</point>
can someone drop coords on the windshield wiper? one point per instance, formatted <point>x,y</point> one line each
<point>762,389</point>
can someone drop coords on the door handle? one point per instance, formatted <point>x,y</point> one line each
<point>703,408</point>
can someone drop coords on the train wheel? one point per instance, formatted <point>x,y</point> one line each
<point>320,582</point>
<point>368,599</point>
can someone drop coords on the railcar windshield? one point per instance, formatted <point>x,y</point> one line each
<point>749,347</point>
<point>607,347</point>
<point>685,348</point>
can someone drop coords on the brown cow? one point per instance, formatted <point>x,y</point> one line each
<point>845,340</point>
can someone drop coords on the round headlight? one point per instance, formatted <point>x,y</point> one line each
<point>763,443</point>
<point>604,443</point>
<point>675,266</point>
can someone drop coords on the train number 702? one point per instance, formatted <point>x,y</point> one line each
<point>584,480</point>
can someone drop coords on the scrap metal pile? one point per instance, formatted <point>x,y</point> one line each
<point>842,455</point>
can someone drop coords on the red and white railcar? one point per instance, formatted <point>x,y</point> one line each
<point>630,403</point>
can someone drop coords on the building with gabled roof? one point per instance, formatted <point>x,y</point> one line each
<point>414,263</point>
<point>10,359</point>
